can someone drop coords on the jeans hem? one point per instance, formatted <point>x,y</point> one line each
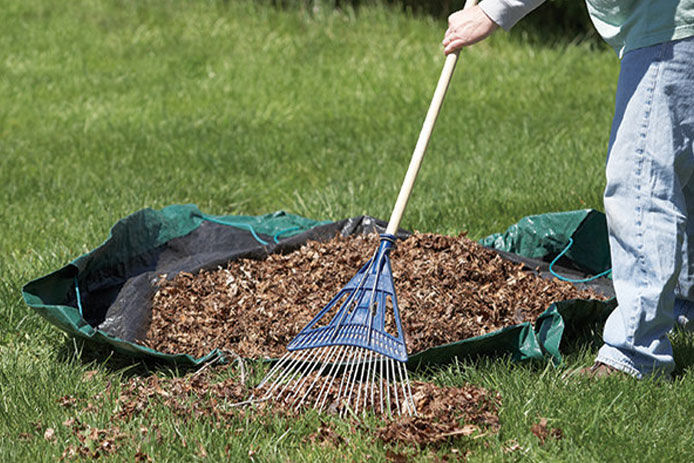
<point>616,359</point>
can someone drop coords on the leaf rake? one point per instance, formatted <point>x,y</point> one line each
<point>352,355</point>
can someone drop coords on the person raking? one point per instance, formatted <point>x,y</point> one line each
<point>649,193</point>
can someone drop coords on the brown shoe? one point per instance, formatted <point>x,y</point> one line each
<point>599,370</point>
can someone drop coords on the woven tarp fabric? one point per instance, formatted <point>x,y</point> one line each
<point>544,236</point>
<point>106,294</point>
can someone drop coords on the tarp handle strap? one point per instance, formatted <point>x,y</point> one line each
<point>571,280</point>
<point>78,297</point>
<point>250,228</point>
<point>237,225</point>
<point>282,232</point>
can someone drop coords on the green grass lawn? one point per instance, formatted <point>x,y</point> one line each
<point>107,107</point>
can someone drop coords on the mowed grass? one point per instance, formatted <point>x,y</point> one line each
<point>240,107</point>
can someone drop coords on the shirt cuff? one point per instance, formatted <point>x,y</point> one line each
<point>506,13</point>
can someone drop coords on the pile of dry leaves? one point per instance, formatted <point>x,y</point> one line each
<point>444,413</point>
<point>448,289</point>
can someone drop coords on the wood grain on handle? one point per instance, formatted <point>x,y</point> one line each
<point>424,136</point>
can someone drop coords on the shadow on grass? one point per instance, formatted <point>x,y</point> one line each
<point>579,341</point>
<point>683,350</point>
<point>89,352</point>
<point>467,369</point>
<point>588,337</point>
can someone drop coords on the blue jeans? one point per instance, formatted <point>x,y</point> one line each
<point>649,202</point>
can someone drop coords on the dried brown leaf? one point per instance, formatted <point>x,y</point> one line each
<point>49,434</point>
<point>542,431</point>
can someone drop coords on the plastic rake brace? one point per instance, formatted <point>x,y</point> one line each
<point>352,356</point>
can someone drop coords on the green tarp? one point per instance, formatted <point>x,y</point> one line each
<point>546,235</point>
<point>105,295</point>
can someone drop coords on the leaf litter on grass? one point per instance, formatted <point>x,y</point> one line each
<point>215,393</point>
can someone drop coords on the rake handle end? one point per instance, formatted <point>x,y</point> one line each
<point>424,136</point>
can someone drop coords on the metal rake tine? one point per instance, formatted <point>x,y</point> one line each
<point>347,375</point>
<point>395,387</point>
<point>344,384</point>
<point>409,390</point>
<point>275,368</point>
<point>405,399</point>
<point>293,359</point>
<point>335,367</point>
<point>361,383</point>
<point>348,367</point>
<point>366,382</point>
<point>269,375</point>
<point>305,363</point>
<point>303,370</point>
<point>287,374</point>
<point>399,383</point>
<point>354,379</point>
<point>328,353</point>
<point>390,414</point>
<point>284,373</point>
<point>370,383</point>
<point>381,383</point>
<point>335,356</point>
<point>318,357</point>
<point>373,382</point>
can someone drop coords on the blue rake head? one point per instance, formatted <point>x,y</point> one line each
<point>362,305</point>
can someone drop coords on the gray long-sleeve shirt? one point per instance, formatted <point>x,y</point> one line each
<point>624,24</point>
<point>506,13</point>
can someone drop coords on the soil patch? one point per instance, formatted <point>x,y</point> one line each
<point>448,289</point>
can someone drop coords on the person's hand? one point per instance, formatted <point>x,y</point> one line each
<point>466,27</point>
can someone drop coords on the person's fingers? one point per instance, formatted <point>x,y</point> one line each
<point>466,27</point>
<point>453,35</point>
<point>452,46</point>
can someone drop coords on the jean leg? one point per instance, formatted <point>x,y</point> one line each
<point>649,165</point>
<point>685,282</point>
<point>684,292</point>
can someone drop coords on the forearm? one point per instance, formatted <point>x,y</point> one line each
<point>506,13</point>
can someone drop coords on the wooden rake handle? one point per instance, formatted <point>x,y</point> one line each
<point>424,136</point>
